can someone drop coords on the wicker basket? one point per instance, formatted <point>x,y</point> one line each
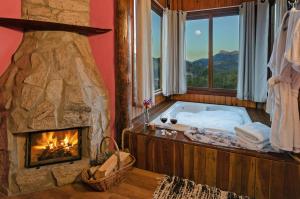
<point>116,177</point>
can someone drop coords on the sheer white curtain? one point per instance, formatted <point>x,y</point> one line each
<point>261,52</point>
<point>173,52</point>
<point>280,9</point>
<point>144,68</point>
<point>253,56</point>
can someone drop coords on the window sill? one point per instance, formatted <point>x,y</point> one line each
<point>158,92</point>
<point>212,91</point>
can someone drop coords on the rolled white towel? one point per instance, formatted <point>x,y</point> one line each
<point>254,132</point>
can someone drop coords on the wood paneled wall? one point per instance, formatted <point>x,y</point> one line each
<point>162,2</point>
<point>189,5</point>
<point>214,99</point>
<point>257,177</point>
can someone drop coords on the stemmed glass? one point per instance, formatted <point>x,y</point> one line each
<point>163,118</point>
<point>174,120</point>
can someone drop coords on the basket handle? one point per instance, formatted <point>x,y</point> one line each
<point>116,147</point>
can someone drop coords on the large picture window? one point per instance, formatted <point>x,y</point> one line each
<point>212,42</point>
<point>197,38</point>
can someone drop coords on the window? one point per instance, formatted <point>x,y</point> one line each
<point>225,51</point>
<point>197,38</point>
<point>156,48</point>
<point>212,42</point>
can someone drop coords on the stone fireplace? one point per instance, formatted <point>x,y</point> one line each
<point>50,147</point>
<point>50,95</point>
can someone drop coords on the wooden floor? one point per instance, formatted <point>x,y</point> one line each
<point>246,172</point>
<point>139,184</point>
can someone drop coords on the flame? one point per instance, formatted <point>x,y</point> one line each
<point>51,140</point>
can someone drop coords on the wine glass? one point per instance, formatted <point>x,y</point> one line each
<point>163,118</point>
<point>174,121</point>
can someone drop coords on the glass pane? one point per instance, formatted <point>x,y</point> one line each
<point>225,51</point>
<point>156,49</point>
<point>197,34</point>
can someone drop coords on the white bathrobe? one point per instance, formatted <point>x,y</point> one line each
<point>282,103</point>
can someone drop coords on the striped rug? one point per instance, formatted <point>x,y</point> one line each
<point>178,188</point>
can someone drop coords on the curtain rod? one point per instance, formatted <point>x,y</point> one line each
<point>158,4</point>
<point>216,8</point>
<point>212,8</point>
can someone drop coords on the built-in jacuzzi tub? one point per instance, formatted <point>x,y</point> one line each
<point>211,116</point>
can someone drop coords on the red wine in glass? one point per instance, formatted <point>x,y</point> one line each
<point>163,118</point>
<point>173,120</point>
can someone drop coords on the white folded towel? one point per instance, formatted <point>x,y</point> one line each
<point>255,133</point>
<point>252,146</point>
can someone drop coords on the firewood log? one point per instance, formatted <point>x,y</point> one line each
<point>92,171</point>
<point>95,174</point>
<point>54,153</point>
<point>125,162</point>
<point>111,164</point>
<point>98,175</point>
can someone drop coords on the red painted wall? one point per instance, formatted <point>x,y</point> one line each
<point>9,39</point>
<point>102,15</point>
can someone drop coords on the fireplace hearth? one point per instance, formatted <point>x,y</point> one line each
<point>50,147</point>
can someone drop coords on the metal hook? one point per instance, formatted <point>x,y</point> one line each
<point>293,3</point>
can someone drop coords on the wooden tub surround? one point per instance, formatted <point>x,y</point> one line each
<point>258,175</point>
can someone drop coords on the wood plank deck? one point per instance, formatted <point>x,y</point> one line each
<point>139,184</point>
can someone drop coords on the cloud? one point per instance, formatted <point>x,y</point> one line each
<point>198,32</point>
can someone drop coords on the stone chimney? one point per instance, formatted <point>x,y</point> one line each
<point>52,83</point>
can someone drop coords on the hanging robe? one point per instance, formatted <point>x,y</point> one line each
<point>284,85</point>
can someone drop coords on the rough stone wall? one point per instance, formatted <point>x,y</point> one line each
<point>4,164</point>
<point>52,83</point>
<point>62,11</point>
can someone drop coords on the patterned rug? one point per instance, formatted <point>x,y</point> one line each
<point>178,188</point>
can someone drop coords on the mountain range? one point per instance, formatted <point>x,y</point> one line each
<point>224,60</point>
<point>225,64</point>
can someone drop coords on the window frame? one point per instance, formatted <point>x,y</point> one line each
<point>158,9</point>
<point>210,14</point>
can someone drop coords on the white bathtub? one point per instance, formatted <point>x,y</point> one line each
<point>211,116</point>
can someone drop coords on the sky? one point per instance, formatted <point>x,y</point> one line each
<point>225,36</point>
<point>156,34</point>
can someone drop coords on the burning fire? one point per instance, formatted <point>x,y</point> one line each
<point>51,140</point>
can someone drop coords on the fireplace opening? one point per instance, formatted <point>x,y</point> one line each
<point>50,147</point>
